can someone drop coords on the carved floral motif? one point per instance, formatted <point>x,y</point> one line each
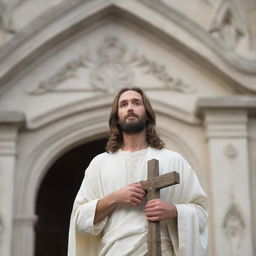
<point>160,72</point>
<point>234,226</point>
<point>66,72</point>
<point>110,69</point>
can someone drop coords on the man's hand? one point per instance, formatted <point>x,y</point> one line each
<point>131,194</point>
<point>158,210</point>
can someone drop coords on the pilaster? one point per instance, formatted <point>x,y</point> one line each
<point>252,155</point>
<point>226,122</point>
<point>24,229</point>
<point>9,125</point>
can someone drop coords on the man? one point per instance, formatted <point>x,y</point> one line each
<point>110,216</point>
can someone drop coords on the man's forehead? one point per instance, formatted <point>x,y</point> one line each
<point>128,95</point>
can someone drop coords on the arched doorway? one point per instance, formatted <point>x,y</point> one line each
<point>56,195</point>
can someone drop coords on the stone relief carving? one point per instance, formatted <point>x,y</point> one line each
<point>65,73</point>
<point>233,226</point>
<point>111,71</point>
<point>160,72</point>
<point>110,68</point>
<point>227,25</point>
<point>230,151</point>
<point>1,229</point>
<point>6,12</point>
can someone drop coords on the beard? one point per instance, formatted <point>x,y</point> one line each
<point>133,127</point>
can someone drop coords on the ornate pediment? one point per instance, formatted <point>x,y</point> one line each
<point>110,66</point>
<point>156,17</point>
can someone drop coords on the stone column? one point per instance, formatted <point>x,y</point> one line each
<point>9,124</point>
<point>24,235</point>
<point>226,121</point>
<point>252,155</point>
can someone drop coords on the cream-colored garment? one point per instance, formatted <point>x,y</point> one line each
<point>124,232</point>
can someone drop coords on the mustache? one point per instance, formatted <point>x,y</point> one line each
<point>130,115</point>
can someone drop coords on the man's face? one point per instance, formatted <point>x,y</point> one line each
<point>131,112</point>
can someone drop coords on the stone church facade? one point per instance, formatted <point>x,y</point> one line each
<point>61,63</point>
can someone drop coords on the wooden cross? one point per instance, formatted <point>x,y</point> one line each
<point>152,186</point>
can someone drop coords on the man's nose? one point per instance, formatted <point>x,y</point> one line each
<point>130,107</point>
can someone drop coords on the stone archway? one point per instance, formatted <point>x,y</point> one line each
<point>56,195</point>
<point>74,128</point>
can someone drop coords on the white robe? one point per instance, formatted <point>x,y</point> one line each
<point>124,232</point>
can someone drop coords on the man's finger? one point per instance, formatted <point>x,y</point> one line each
<point>150,205</point>
<point>153,203</point>
<point>150,214</point>
<point>135,201</point>
<point>137,185</point>
<point>157,218</point>
<point>139,191</point>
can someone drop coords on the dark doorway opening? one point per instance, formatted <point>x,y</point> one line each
<point>56,195</point>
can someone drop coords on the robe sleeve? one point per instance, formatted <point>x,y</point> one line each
<point>189,232</point>
<point>85,211</point>
<point>83,234</point>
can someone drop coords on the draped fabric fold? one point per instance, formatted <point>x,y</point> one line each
<point>124,232</point>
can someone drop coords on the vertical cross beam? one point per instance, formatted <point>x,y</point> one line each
<point>152,186</point>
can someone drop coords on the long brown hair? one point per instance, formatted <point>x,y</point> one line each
<point>116,137</point>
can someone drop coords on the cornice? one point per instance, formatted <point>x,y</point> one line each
<point>226,117</point>
<point>9,125</point>
<point>231,103</point>
<point>12,117</point>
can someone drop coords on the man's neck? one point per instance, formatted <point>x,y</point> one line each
<point>134,142</point>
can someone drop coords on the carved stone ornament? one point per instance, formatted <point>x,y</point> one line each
<point>1,229</point>
<point>234,226</point>
<point>64,73</point>
<point>110,68</point>
<point>161,74</point>
<point>227,25</point>
<point>6,12</point>
<point>111,72</point>
<point>230,151</point>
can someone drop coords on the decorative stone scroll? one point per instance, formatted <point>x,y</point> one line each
<point>233,227</point>
<point>227,25</point>
<point>110,68</point>
<point>161,74</point>
<point>64,73</point>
